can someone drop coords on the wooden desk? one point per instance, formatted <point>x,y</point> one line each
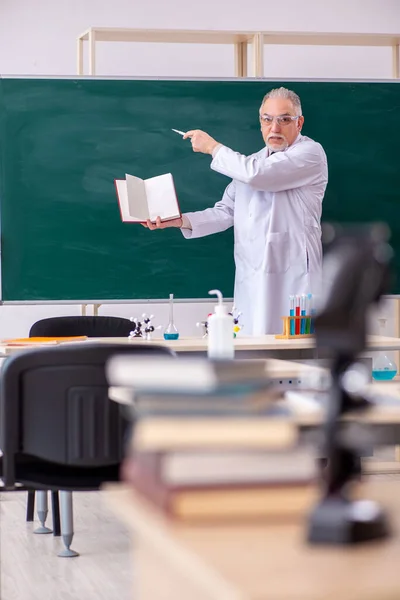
<point>265,346</point>
<point>254,562</point>
<point>260,344</point>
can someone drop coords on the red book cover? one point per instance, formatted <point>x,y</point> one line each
<point>120,204</point>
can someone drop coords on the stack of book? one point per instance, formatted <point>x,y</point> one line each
<point>212,455</point>
<point>223,485</point>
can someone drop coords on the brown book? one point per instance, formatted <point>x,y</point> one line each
<point>198,468</point>
<point>225,502</point>
<point>230,503</point>
<point>164,433</point>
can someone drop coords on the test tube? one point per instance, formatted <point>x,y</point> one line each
<point>303,314</point>
<point>291,313</point>
<point>312,313</point>
<point>308,312</point>
<point>297,315</point>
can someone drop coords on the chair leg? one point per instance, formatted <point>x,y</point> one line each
<point>67,524</point>
<point>30,506</point>
<point>55,509</point>
<point>42,510</point>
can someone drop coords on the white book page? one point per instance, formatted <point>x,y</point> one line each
<point>122,194</point>
<point>137,201</point>
<point>161,197</point>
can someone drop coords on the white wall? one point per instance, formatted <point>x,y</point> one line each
<point>38,37</point>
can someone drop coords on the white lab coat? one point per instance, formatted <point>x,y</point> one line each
<point>274,204</point>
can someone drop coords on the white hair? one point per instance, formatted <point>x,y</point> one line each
<point>287,94</point>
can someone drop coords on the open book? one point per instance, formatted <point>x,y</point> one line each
<point>142,199</point>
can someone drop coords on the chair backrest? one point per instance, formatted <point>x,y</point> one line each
<point>54,406</point>
<point>91,326</point>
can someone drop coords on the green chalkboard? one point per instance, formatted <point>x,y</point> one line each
<point>64,141</point>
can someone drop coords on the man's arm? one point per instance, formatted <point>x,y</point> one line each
<point>304,164</point>
<point>186,224</point>
<point>211,220</point>
<point>203,222</point>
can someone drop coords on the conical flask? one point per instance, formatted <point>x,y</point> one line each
<point>171,332</point>
<point>383,367</point>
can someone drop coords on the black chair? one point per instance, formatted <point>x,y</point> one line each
<point>58,428</point>
<point>91,326</point>
<point>81,325</point>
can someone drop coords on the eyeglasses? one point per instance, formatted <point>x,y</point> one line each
<point>283,121</point>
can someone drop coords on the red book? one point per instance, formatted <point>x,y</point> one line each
<point>143,199</point>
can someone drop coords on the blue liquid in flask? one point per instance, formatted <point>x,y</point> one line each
<point>384,374</point>
<point>171,332</point>
<point>383,368</point>
<point>171,336</point>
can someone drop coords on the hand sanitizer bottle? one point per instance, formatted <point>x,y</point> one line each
<point>220,331</point>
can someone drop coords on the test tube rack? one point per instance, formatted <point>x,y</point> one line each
<point>289,324</point>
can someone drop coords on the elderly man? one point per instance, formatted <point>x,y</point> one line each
<point>274,203</point>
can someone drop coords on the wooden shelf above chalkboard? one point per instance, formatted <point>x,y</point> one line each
<point>240,41</point>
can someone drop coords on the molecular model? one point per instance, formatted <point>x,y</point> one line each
<point>204,325</point>
<point>236,326</point>
<point>142,329</point>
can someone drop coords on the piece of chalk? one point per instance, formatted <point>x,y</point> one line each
<point>178,132</point>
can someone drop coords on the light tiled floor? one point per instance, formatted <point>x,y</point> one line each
<point>31,570</point>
